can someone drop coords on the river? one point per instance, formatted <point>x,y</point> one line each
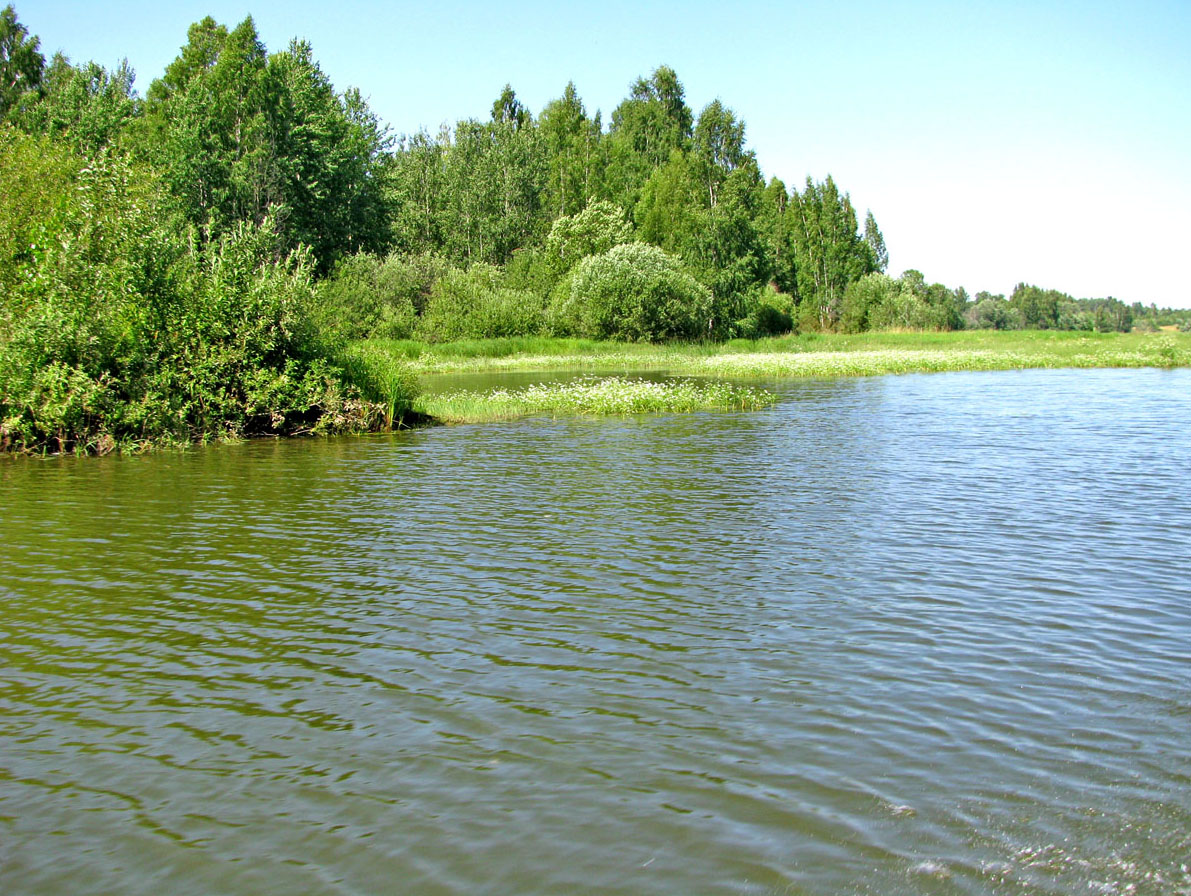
<point>916,634</point>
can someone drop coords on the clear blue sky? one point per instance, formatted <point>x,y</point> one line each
<point>1041,141</point>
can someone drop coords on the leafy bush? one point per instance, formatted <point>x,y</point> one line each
<point>592,231</point>
<point>475,304</point>
<point>878,302</point>
<point>633,292</point>
<point>992,313</point>
<point>119,328</point>
<point>862,298</point>
<point>370,297</point>
<point>768,314</point>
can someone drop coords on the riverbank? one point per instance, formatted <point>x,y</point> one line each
<point>401,375</point>
<point>803,355</point>
<point>799,355</point>
<point>812,355</point>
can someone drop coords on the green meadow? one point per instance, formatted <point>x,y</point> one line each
<point>610,387</point>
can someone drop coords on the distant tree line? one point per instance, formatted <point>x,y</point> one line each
<point>192,261</point>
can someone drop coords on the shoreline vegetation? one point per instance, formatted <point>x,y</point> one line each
<point>796,355</point>
<point>595,396</point>
<point>245,251</point>
<point>810,356</point>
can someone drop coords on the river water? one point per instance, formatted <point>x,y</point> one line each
<point>918,634</point>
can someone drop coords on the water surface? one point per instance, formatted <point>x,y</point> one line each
<point>920,634</point>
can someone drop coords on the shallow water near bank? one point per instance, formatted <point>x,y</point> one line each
<point>920,634</point>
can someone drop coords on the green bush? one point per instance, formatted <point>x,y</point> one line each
<point>475,304</point>
<point>878,302</point>
<point>592,231</point>
<point>369,297</point>
<point>992,313</point>
<point>120,328</point>
<point>862,300</point>
<point>633,292</point>
<point>572,238</point>
<point>768,314</point>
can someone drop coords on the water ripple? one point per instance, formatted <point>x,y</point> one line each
<point>922,634</point>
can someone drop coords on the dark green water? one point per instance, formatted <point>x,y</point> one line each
<point>924,634</point>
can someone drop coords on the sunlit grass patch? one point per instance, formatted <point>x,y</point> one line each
<point>847,363</point>
<point>805,355</point>
<point>608,396</point>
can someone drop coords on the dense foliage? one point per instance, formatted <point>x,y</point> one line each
<point>635,293</point>
<point>195,262</point>
<point>119,326</point>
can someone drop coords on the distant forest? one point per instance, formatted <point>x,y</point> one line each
<point>199,251</point>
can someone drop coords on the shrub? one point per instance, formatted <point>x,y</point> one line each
<point>872,293</point>
<point>878,302</point>
<point>592,231</point>
<point>992,313</point>
<point>474,304</point>
<point>370,297</point>
<point>768,314</point>
<point>633,292</point>
<point>572,238</point>
<point>119,327</point>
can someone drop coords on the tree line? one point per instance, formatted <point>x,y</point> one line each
<point>237,224</point>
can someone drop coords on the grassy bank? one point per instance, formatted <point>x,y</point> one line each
<point>805,355</point>
<point>594,396</point>
<point>611,390</point>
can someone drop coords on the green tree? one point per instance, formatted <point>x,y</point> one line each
<point>718,147</point>
<point>646,129</point>
<point>1112,315</point>
<point>876,243</point>
<point>328,162</point>
<point>241,136</point>
<point>572,146</point>
<point>669,213</point>
<point>774,223</point>
<point>731,255</point>
<point>416,193</point>
<point>831,254</point>
<point>493,176</point>
<point>21,64</point>
<point>1039,308</point>
<point>989,312</point>
<point>720,244</point>
<point>209,128</point>
<point>204,42</point>
<point>87,107</point>
<point>508,109</point>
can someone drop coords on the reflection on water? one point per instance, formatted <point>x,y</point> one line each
<point>921,634</point>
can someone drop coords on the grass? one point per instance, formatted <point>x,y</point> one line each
<point>805,355</point>
<point>592,396</point>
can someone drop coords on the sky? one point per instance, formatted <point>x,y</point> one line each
<point>1045,142</point>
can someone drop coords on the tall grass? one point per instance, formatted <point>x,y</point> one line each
<point>594,396</point>
<point>806,355</point>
